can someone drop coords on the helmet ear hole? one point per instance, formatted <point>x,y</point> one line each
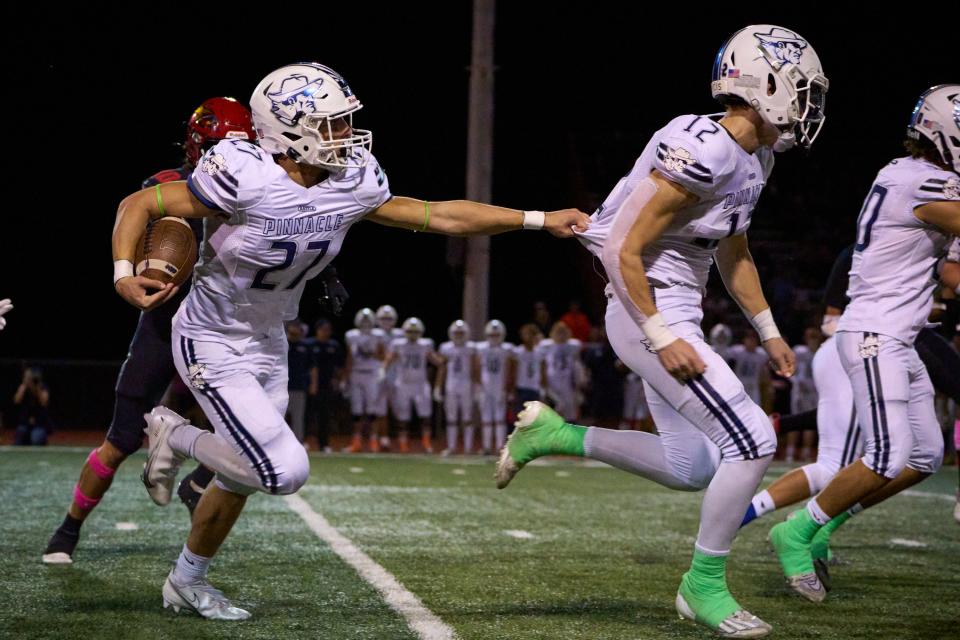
<point>771,84</point>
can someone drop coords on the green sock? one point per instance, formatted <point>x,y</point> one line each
<point>569,439</point>
<point>791,540</point>
<point>704,587</point>
<point>820,545</point>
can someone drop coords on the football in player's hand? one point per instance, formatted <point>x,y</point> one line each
<point>167,251</point>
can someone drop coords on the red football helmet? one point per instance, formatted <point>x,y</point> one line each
<point>214,120</point>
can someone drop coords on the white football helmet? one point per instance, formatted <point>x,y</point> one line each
<point>495,331</point>
<point>778,73</point>
<point>294,110</point>
<point>364,320</point>
<point>458,331</point>
<point>413,328</point>
<point>721,336</point>
<point>937,118</point>
<point>387,317</point>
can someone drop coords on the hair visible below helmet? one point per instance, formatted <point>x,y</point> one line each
<point>458,331</point>
<point>387,317</point>
<point>777,72</point>
<point>293,110</point>
<point>936,117</point>
<point>215,120</point>
<point>495,332</point>
<point>413,327</point>
<point>721,336</point>
<point>364,320</point>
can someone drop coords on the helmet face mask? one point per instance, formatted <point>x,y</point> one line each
<point>495,332</point>
<point>458,332</point>
<point>364,320</point>
<point>778,73</point>
<point>413,328</point>
<point>387,317</point>
<point>305,112</point>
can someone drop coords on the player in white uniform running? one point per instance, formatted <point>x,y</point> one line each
<point>455,386</point>
<point>387,318</point>
<point>275,215</point>
<point>561,352</point>
<point>408,358</point>
<point>904,230</point>
<point>491,364</point>
<point>749,362</point>
<point>529,369</point>
<point>688,201</point>
<point>366,351</point>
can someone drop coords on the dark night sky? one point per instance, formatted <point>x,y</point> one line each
<point>95,101</point>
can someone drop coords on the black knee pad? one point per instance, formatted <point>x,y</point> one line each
<point>126,429</point>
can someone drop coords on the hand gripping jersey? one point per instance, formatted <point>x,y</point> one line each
<point>273,236</point>
<point>493,365</point>
<point>411,361</point>
<point>893,274</point>
<point>528,367</point>
<point>363,347</point>
<point>701,156</point>
<point>459,363</point>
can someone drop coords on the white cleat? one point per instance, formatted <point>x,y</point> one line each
<point>741,624</point>
<point>160,470</point>
<point>57,558</point>
<point>809,586</point>
<point>202,598</point>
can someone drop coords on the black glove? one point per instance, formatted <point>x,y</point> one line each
<point>335,295</point>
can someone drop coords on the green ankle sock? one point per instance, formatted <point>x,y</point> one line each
<point>704,587</point>
<point>820,545</point>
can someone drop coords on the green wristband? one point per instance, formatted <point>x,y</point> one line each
<point>163,212</point>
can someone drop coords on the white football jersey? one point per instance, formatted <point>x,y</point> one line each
<point>562,358</point>
<point>700,155</point>
<point>803,375</point>
<point>363,347</point>
<point>459,365</point>
<point>528,366</point>
<point>893,274</point>
<point>747,364</point>
<point>411,360</point>
<point>273,236</point>
<point>493,364</point>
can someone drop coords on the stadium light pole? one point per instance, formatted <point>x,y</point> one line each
<point>476,279</point>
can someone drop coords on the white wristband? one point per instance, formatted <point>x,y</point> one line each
<point>533,220</point>
<point>765,326</point>
<point>657,332</point>
<point>122,269</point>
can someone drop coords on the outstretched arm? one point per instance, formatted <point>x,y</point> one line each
<point>468,218</point>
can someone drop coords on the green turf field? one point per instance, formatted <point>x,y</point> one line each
<point>604,560</point>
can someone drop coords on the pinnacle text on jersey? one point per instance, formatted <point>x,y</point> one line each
<point>295,226</point>
<point>744,196</point>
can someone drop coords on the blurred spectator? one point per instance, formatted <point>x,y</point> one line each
<point>605,397</point>
<point>636,412</point>
<point>530,370</point>
<point>562,353</point>
<point>749,362</point>
<point>32,399</point>
<point>578,321</point>
<point>303,376</point>
<point>327,360</point>
<point>803,395</point>
<point>542,318</point>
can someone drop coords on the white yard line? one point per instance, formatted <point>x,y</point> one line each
<point>421,620</point>
<point>519,534</point>
<point>928,494</point>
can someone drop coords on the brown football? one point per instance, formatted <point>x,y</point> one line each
<point>167,251</point>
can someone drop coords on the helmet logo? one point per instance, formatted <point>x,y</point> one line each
<point>781,47</point>
<point>951,188</point>
<point>296,96</point>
